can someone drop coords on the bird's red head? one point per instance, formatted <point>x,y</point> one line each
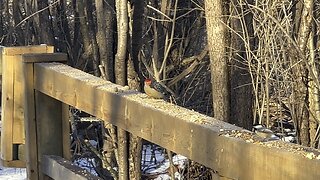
<point>147,81</point>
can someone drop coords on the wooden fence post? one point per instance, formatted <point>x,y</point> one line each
<point>12,117</point>
<point>43,117</point>
<point>49,128</point>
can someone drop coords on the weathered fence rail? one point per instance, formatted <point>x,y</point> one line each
<point>231,151</point>
<point>56,167</point>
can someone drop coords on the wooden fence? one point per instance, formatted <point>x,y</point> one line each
<point>50,87</point>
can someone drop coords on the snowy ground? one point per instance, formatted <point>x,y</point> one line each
<point>12,173</point>
<point>154,164</point>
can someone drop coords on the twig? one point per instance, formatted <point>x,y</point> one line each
<point>171,38</point>
<point>190,68</point>
<point>103,74</point>
<point>163,14</point>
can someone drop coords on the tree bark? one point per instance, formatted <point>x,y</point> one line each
<point>76,42</point>
<point>241,92</point>
<point>110,26</point>
<point>45,24</point>
<point>300,95</point>
<point>314,97</point>
<point>84,29</point>
<point>218,43</point>
<point>120,77</point>
<point>101,36</point>
<point>17,18</point>
<point>1,20</point>
<point>85,33</point>
<point>122,24</point>
<point>137,30</point>
<point>65,44</point>
<point>92,35</point>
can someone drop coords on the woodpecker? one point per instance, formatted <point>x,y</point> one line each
<point>155,90</point>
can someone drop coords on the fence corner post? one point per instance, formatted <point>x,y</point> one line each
<point>43,116</point>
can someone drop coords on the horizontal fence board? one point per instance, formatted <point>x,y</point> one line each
<point>59,168</point>
<point>44,57</point>
<point>13,163</point>
<point>199,137</point>
<point>18,50</point>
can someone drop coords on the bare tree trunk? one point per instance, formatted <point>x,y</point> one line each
<point>123,154</point>
<point>1,19</point>
<point>137,30</point>
<point>122,26</point>
<point>45,24</point>
<point>297,9</point>
<point>110,26</point>
<point>101,37</point>
<point>92,35</point>
<point>120,76</point>
<point>218,44</point>
<point>241,93</point>
<point>84,29</point>
<point>313,93</point>
<point>300,95</point>
<point>76,42</point>
<point>17,18</point>
<point>314,96</point>
<point>104,17</point>
<point>65,43</point>
<point>85,32</point>
<point>135,149</point>
<point>7,37</point>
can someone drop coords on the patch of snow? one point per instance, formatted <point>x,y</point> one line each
<point>87,164</point>
<point>148,154</point>
<point>163,177</point>
<point>180,161</point>
<point>274,137</point>
<point>287,130</point>
<point>292,133</point>
<point>259,126</point>
<point>12,173</point>
<point>289,138</point>
<point>155,162</point>
<point>177,175</point>
<point>93,143</point>
<point>151,158</point>
<point>160,169</point>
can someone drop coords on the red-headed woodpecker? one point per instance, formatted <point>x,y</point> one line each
<point>155,90</point>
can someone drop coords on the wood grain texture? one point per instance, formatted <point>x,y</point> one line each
<point>30,126</point>
<point>66,141</point>
<point>30,122</point>
<point>49,127</point>
<point>13,85</point>
<point>180,130</point>
<point>13,163</point>
<point>7,108</point>
<point>18,102</point>
<point>18,50</point>
<point>44,57</point>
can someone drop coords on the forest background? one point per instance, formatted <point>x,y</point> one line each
<point>245,62</point>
